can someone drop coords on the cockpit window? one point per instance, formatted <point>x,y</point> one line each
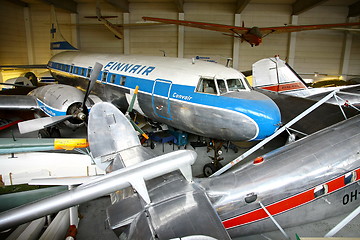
<point>235,84</point>
<point>222,86</point>
<point>206,86</point>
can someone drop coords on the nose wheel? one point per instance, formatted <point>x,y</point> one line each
<point>215,165</point>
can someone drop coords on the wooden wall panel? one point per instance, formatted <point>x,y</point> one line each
<point>204,43</point>
<point>13,48</point>
<point>315,51</point>
<point>93,35</point>
<point>157,39</point>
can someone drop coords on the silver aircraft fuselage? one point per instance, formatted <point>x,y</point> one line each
<point>199,97</point>
<point>312,179</point>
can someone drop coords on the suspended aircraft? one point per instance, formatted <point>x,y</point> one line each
<point>274,74</point>
<point>308,180</point>
<point>253,35</point>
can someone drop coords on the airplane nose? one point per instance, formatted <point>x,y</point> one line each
<point>267,116</point>
<point>264,114</point>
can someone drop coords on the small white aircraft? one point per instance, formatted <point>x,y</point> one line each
<point>274,74</point>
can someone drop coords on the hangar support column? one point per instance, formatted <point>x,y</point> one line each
<point>292,42</point>
<point>28,34</point>
<point>180,50</point>
<point>126,20</point>
<point>236,43</point>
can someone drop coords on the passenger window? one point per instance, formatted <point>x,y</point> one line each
<point>104,76</point>
<point>82,72</point>
<point>206,86</point>
<point>112,78</point>
<point>122,80</point>
<point>88,72</point>
<point>320,190</point>
<point>350,177</point>
<point>71,69</point>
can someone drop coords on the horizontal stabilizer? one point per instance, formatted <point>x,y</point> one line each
<point>62,45</point>
<point>101,186</point>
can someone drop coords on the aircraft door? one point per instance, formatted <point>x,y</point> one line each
<point>160,98</point>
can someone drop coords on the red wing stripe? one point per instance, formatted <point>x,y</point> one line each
<point>286,204</point>
<point>285,87</point>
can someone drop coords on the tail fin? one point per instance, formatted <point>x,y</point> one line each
<point>58,42</point>
<point>276,75</point>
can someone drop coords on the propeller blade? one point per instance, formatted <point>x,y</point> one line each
<point>40,123</point>
<point>131,105</point>
<point>138,129</point>
<point>92,80</point>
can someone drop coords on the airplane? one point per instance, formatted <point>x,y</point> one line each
<point>311,179</point>
<point>198,97</point>
<point>253,35</point>
<point>274,74</point>
<point>202,98</point>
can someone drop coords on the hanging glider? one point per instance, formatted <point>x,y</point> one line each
<point>252,35</point>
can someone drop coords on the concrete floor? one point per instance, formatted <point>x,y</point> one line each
<point>92,214</point>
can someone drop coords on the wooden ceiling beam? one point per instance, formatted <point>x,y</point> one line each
<point>122,5</point>
<point>301,6</point>
<point>19,3</point>
<point>68,5</point>
<point>240,5</point>
<point>354,9</point>
<point>179,5</point>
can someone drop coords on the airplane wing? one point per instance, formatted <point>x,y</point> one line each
<point>208,26</point>
<point>112,139</point>
<point>242,30</point>
<point>18,102</point>
<point>285,29</point>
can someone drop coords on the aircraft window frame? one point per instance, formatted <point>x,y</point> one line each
<point>89,70</point>
<point>321,190</point>
<point>122,80</point>
<point>350,177</point>
<point>243,85</point>
<point>112,78</point>
<point>222,89</point>
<point>104,76</point>
<point>210,88</point>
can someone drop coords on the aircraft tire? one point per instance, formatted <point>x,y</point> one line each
<point>209,169</point>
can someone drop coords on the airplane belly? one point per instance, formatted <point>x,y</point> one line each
<point>343,201</point>
<point>199,119</point>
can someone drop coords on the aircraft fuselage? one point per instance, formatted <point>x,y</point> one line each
<point>199,97</point>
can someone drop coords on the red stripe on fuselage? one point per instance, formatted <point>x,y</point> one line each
<point>286,204</point>
<point>285,87</point>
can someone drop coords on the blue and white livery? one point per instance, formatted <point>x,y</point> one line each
<point>199,97</point>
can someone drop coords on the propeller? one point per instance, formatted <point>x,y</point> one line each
<point>77,112</point>
<point>130,109</point>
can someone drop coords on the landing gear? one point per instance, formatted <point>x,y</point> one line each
<point>215,165</point>
<point>50,132</point>
<point>210,168</point>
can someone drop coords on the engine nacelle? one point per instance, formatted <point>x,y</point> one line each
<point>60,100</point>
